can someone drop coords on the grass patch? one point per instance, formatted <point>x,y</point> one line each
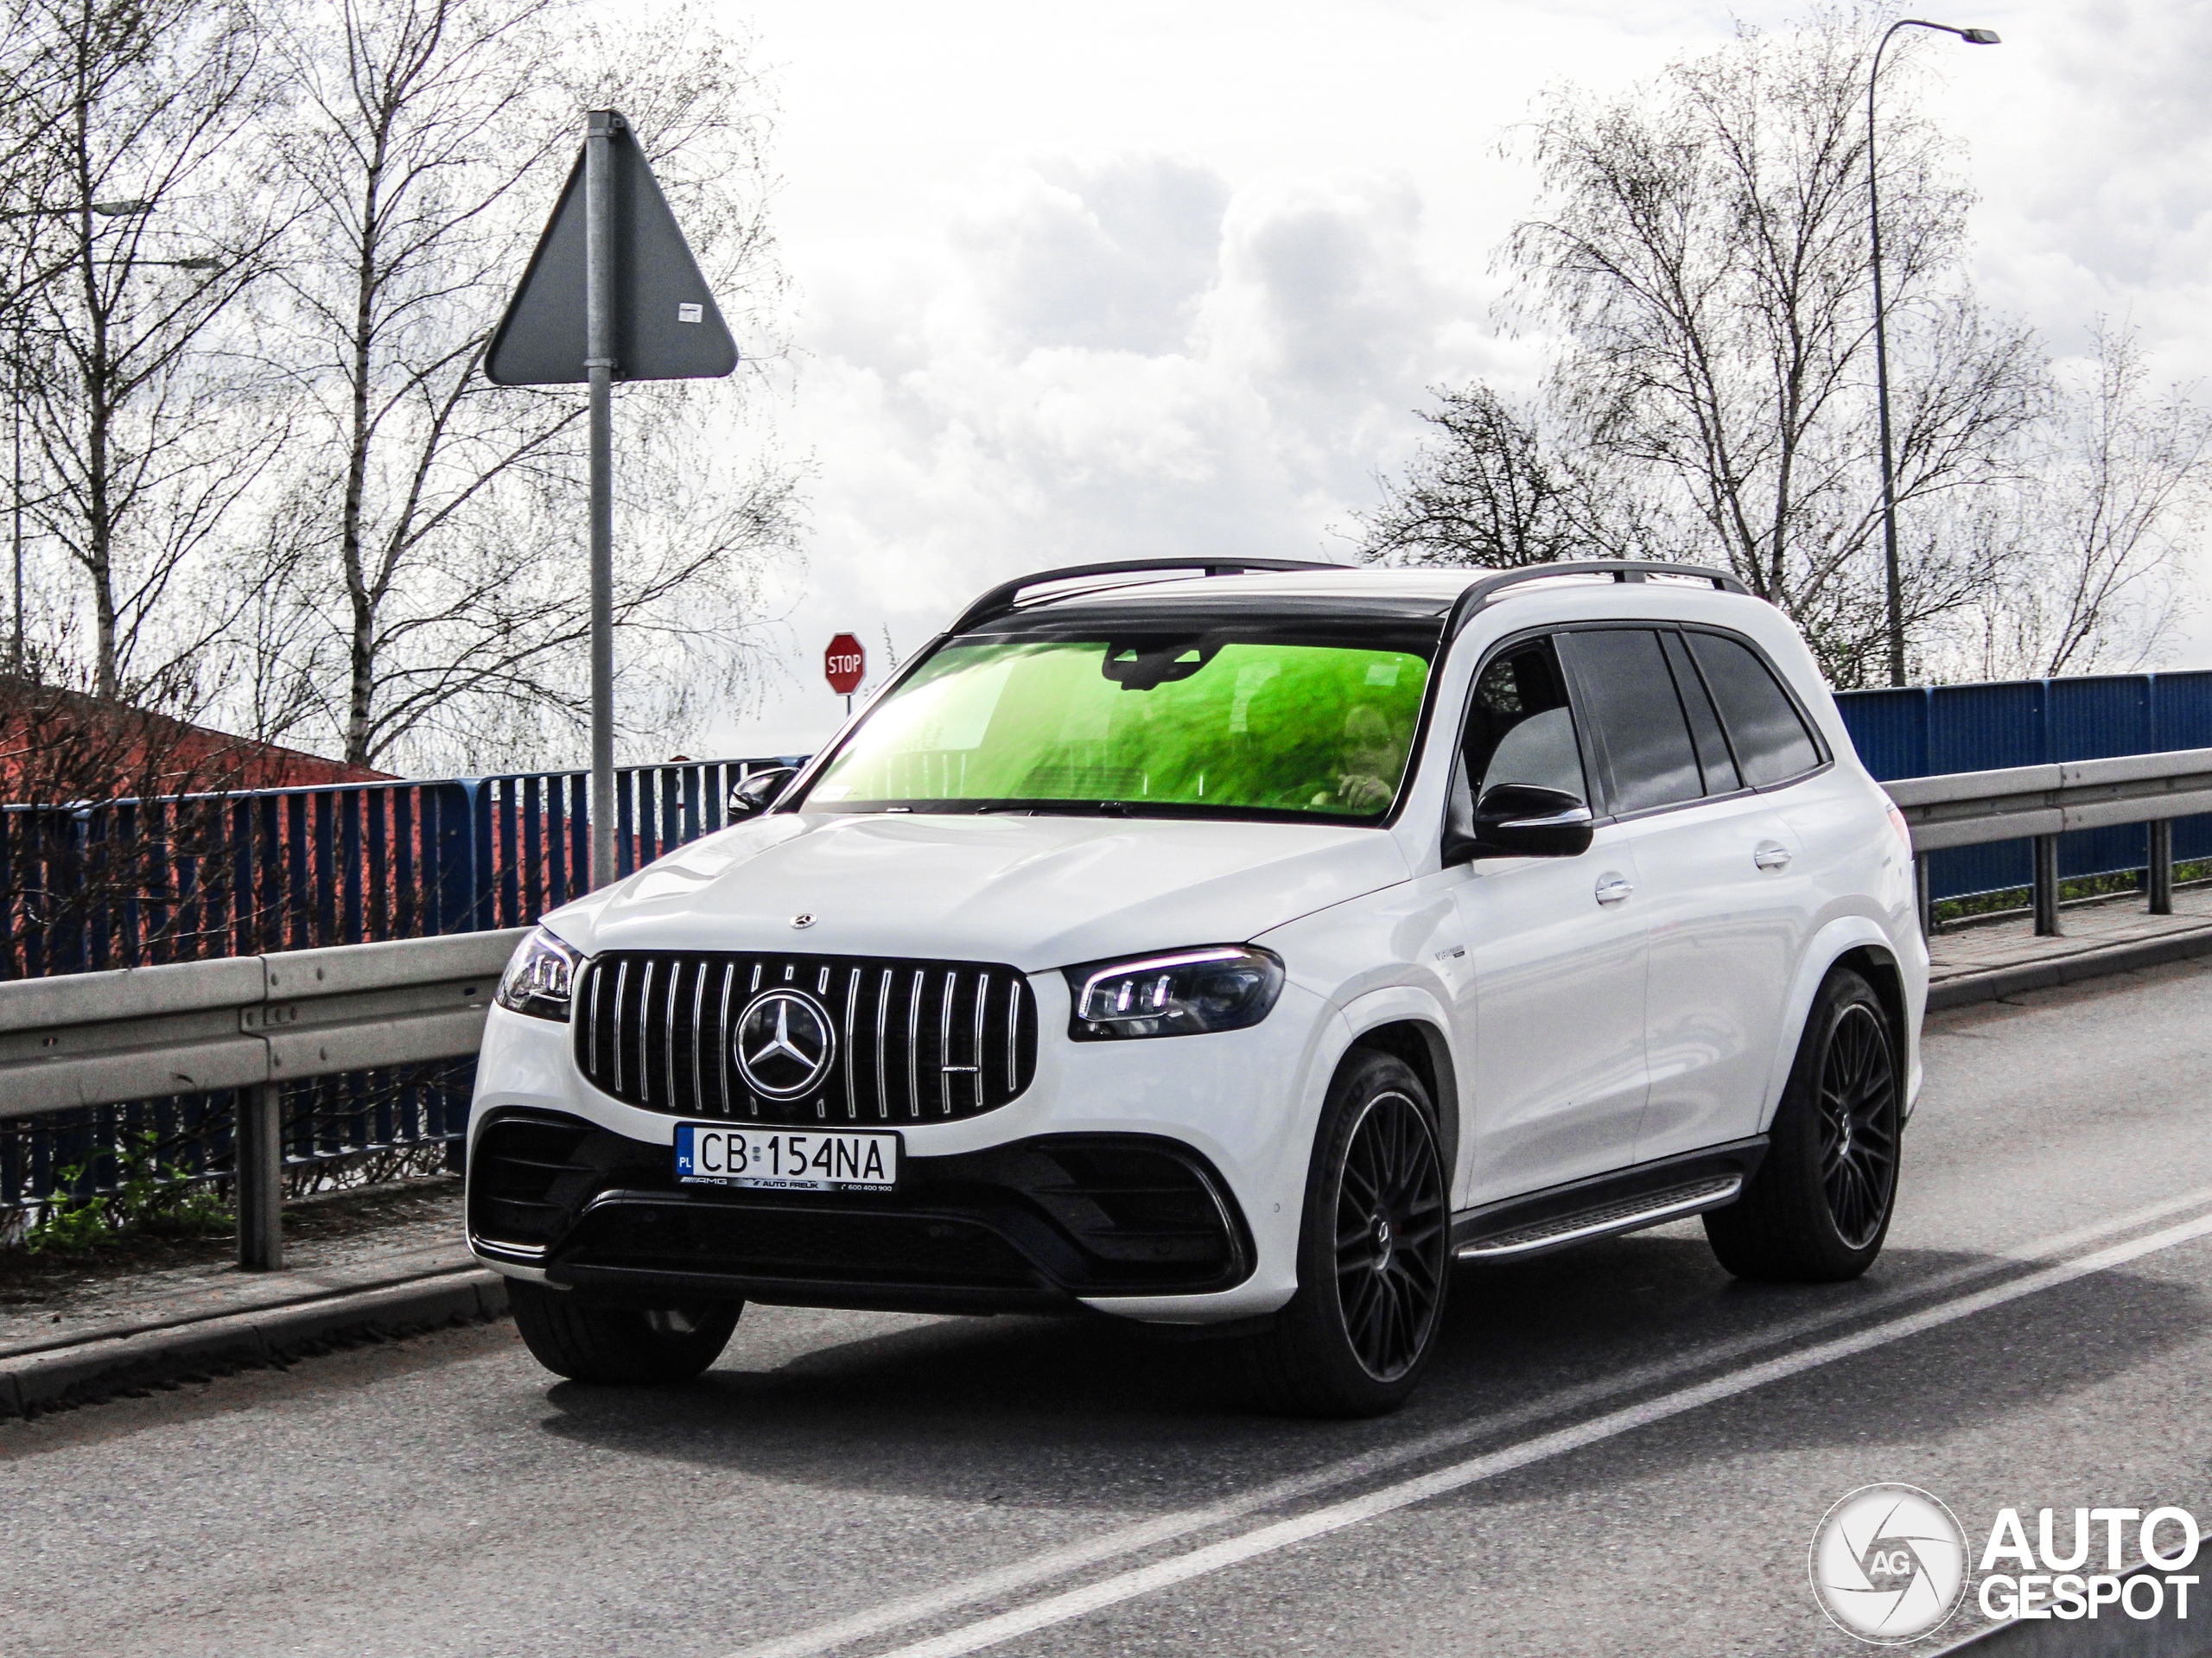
<point>2012,900</point>
<point>153,1198</point>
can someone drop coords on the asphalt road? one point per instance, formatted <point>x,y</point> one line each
<point>1622,1449</point>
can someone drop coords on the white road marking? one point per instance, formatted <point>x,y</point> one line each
<point>1002,1581</point>
<point>1267,1540</point>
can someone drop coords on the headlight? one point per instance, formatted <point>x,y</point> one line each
<point>540,979</point>
<point>1178,992</point>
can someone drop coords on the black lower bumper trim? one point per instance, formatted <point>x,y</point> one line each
<point>668,1285</point>
<point>1034,1225</point>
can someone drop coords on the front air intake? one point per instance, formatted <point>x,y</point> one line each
<point>898,1042</point>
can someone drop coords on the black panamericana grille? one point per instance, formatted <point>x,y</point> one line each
<point>916,1041</point>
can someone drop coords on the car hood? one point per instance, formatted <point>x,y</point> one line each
<point>1033,892</point>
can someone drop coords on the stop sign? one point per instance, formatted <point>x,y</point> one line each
<point>843,663</point>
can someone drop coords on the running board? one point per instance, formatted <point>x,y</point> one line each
<point>1628,1215</point>
<point>1627,1200</point>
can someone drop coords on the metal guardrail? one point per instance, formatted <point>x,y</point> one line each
<point>254,1023</point>
<point>2041,803</point>
<point>250,1023</point>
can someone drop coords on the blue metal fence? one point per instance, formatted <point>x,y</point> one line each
<point>131,883</point>
<point>1925,731</point>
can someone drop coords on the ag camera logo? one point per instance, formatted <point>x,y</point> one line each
<point>1889,1564</point>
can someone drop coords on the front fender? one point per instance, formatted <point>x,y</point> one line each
<point>1833,941</point>
<point>1416,1006</point>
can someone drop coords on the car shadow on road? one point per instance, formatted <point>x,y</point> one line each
<point>1088,1414</point>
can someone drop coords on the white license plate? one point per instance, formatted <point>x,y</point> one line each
<point>784,1159</point>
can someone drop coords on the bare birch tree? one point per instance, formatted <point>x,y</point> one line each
<point>430,137</point>
<point>149,227</point>
<point>1703,253</point>
<point>2094,540</point>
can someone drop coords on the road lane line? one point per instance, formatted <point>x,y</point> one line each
<point>1267,1540</point>
<point>999,1582</point>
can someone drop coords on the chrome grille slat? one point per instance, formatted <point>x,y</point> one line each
<point>982,1000</point>
<point>667,1054</point>
<point>646,1034</point>
<point>591,1032</point>
<point>914,1044</point>
<point>721,1047</point>
<point>621,982</point>
<point>883,1003</point>
<point>698,1009</point>
<point>635,999</point>
<point>852,1005</point>
<point>945,1046</point>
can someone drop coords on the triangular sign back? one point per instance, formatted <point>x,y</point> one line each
<point>666,324</point>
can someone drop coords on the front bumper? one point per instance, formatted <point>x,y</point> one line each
<point>1036,1204</point>
<point>1032,1226</point>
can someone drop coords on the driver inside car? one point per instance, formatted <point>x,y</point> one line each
<point>1368,763</point>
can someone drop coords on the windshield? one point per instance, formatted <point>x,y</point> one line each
<point>1233,722</point>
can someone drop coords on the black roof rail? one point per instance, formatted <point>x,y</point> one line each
<point>1621,569</point>
<point>1005,597</point>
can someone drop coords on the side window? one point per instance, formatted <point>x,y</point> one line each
<point>1771,743</point>
<point>1713,755</point>
<point>1628,696</point>
<point>1519,726</point>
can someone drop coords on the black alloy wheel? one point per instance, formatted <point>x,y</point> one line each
<point>1391,1257</point>
<point>1859,1142</point>
<point>1818,1207</point>
<point>1374,1253</point>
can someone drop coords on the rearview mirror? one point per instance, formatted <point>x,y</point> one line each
<point>1519,820</point>
<point>756,793</point>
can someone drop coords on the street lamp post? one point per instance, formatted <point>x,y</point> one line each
<point>1892,574</point>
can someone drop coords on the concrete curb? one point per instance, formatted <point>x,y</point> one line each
<point>1970,987</point>
<point>57,1378</point>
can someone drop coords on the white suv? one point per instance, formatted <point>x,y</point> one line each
<point>1235,949</point>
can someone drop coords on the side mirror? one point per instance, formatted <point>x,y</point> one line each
<point>1519,820</point>
<point>755,794</point>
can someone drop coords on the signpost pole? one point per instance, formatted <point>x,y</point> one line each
<point>611,272</point>
<point>599,363</point>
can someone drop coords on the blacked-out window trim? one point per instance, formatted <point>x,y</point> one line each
<point>1595,738</point>
<point>1819,738</point>
<point>1592,778</point>
<point>1676,657</point>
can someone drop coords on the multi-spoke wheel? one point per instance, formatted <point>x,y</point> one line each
<point>1819,1207</point>
<point>1374,1255</point>
<point>1859,1140</point>
<point>1390,1236</point>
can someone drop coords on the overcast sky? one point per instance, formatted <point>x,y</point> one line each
<point>1082,281</point>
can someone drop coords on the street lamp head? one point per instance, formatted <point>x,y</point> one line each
<point>1981,37</point>
<point>121,209</point>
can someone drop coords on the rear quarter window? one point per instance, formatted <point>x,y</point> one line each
<point>1770,737</point>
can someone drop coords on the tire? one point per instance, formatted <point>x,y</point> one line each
<point>630,1347</point>
<point>1819,1208</point>
<point>1374,1253</point>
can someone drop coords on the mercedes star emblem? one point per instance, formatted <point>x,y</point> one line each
<point>784,1044</point>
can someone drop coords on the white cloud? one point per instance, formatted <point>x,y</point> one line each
<point>1083,282</point>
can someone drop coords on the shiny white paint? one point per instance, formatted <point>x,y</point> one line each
<point>1725,937</point>
<point>1557,1049</point>
<point>1578,1036</point>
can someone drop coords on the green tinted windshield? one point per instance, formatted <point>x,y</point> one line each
<point>1207,725</point>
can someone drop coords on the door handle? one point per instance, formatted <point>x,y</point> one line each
<point>1613,889</point>
<point>1772,854</point>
